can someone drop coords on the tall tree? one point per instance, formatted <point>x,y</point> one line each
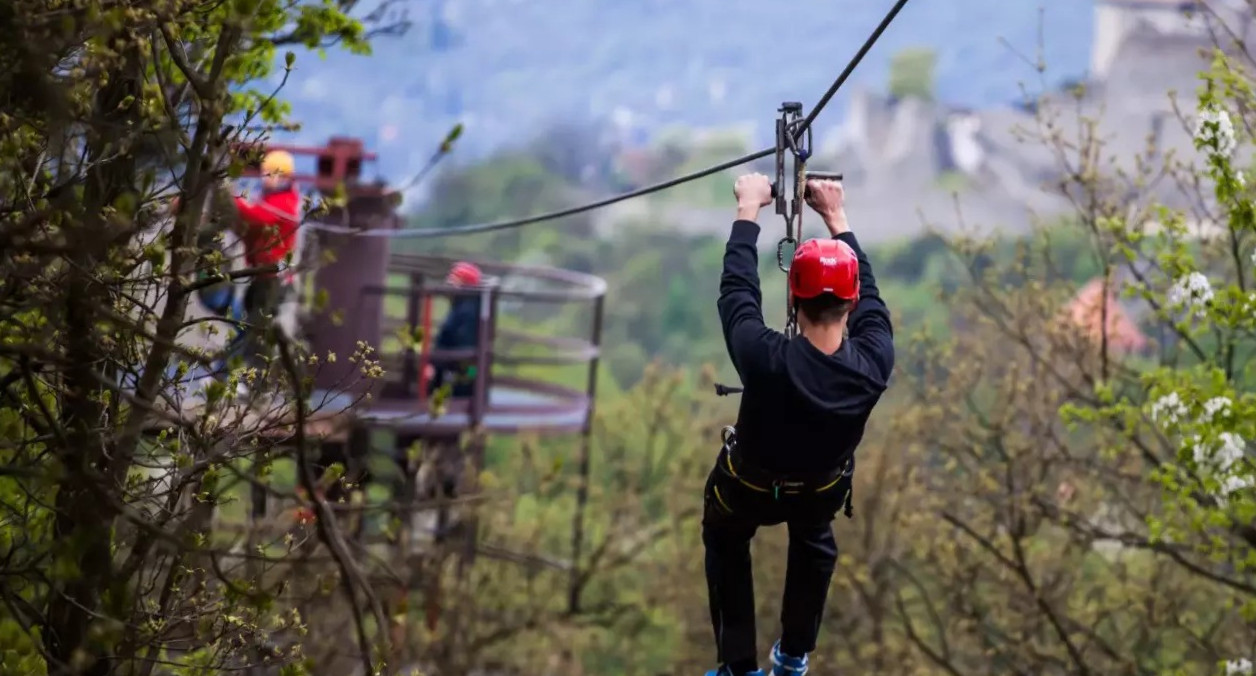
<point>107,559</point>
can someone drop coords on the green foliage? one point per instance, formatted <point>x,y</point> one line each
<point>912,73</point>
<point>1198,407</point>
<point>1148,464</point>
<point>107,559</point>
<point>952,181</point>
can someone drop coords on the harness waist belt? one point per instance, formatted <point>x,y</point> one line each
<point>733,464</point>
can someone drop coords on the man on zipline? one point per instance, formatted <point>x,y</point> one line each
<point>806,401</point>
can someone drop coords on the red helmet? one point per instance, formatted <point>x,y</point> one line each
<point>824,266</point>
<point>466,274</point>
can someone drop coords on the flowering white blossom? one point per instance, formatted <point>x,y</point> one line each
<point>1239,667</point>
<point>1241,179</point>
<point>1168,408</point>
<point>1201,452</point>
<point>1232,449</point>
<point>1222,457</point>
<point>1214,126</point>
<point>1235,483</point>
<point>1194,289</point>
<point>1220,460</point>
<point>1216,405</point>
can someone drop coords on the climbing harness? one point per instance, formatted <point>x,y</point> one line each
<point>776,486</point>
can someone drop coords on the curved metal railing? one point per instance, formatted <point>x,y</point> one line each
<point>524,376</point>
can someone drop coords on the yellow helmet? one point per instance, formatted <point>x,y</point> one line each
<point>278,162</point>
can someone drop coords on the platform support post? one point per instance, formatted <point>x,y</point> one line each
<point>483,352</point>
<point>474,447</point>
<point>257,498</point>
<point>356,473</point>
<point>576,585</point>
<point>474,450</point>
<point>411,370</point>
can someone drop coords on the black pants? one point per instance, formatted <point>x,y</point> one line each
<point>261,303</point>
<point>731,515</point>
<point>454,373</point>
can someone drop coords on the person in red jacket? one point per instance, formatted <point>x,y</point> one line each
<point>268,230</point>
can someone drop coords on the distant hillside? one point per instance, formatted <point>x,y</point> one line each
<point>507,68</point>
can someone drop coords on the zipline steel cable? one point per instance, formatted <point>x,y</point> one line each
<point>424,233</point>
<point>571,211</point>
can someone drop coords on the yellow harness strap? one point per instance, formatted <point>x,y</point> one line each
<point>728,462</point>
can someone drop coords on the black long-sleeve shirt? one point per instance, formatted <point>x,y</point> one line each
<point>802,411</point>
<point>459,331</point>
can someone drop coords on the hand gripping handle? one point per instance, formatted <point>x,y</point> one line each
<point>818,175</point>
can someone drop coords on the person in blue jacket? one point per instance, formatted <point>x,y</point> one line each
<point>791,456</point>
<point>459,331</point>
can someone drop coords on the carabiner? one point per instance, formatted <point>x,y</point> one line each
<point>780,251</point>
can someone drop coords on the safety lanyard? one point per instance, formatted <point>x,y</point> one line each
<point>787,139</point>
<point>798,145</point>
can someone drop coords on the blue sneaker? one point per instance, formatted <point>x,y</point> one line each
<point>725,671</point>
<point>787,665</point>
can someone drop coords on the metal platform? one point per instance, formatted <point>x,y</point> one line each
<point>400,296</point>
<point>510,409</point>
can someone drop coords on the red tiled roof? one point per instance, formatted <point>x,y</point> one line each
<point>1086,311</point>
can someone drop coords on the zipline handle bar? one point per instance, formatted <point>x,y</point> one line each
<point>817,175</point>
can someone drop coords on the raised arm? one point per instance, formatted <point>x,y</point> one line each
<point>741,302</point>
<point>869,323</point>
<point>263,214</point>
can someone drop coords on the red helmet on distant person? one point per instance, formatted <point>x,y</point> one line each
<point>824,266</point>
<point>464,273</point>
